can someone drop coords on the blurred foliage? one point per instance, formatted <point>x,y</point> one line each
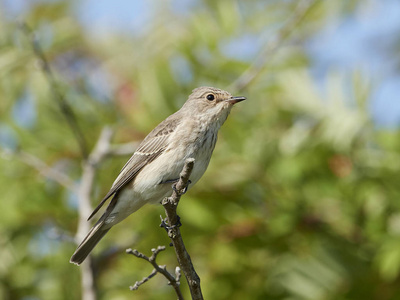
<point>299,201</point>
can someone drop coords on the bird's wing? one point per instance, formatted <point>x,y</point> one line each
<point>152,146</point>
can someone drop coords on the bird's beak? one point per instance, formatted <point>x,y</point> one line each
<point>235,100</point>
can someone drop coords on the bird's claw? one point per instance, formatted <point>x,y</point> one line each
<point>165,225</point>
<point>184,190</point>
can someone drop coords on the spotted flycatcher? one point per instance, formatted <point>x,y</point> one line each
<point>191,132</point>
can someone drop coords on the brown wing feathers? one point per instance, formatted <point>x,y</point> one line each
<point>151,147</point>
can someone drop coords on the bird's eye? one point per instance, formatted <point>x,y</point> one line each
<point>210,97</point>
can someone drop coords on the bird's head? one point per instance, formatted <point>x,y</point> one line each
<point>211,102</point>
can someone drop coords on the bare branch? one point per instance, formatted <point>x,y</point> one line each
<point>39,165</point>
<point>65,108</point>
<point>170,205</point>
<point>301,11</point>
<point>174,281</point>
<point>88,280</point>
<point>99,153</point>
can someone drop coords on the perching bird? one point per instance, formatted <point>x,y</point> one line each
<point>191,132</point>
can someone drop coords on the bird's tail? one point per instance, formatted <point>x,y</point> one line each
<point>89,242</point>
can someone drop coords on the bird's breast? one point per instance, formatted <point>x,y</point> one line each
<point>201,147</point>
<point>189,141</point>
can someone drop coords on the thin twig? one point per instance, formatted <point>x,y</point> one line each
<point>174,281</point>
<point>170,205</point>
<point>43,169</point>
<point>123,149</point>
<point>65,108</point>
<point>144,280</point>
<point>301,11</point>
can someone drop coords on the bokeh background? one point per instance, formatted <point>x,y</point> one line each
<point>301,199</point>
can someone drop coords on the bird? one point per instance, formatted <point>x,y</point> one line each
<point>146,178</point>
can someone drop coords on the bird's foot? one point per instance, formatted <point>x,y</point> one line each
<point>165,225</point>
<point>174,182</point>
<point>182,192</point>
